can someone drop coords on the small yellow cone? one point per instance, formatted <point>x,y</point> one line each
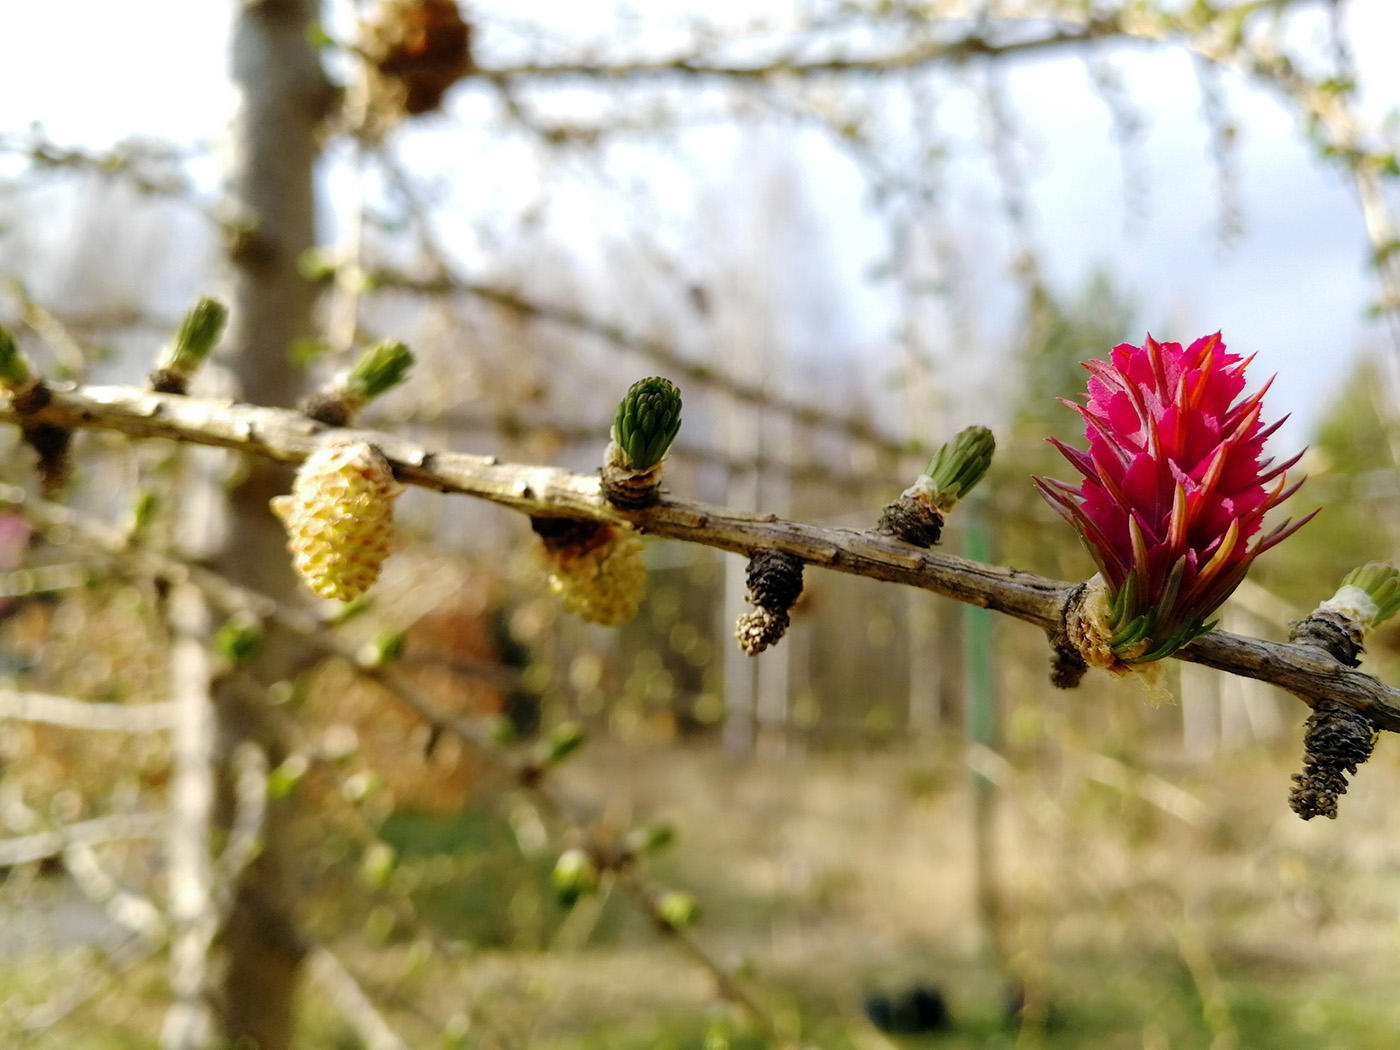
<point>340,518</point>
<point>599,573</point>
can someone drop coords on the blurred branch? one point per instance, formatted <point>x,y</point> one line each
<point>189,1023</point>
<point>80,714</point>
<point>45,844</point>
<point>1004,38</point>
<point>526,771</point>
<point>68,350</point>
<point>138,914</point>
<point>249,769</point>
<point>355,1007</point>
<point>660,352</point>
<point>111,966</point>
<point>508,423</point>
<point>540,491</point>
<point>729,989</point>
<point>151,169</point>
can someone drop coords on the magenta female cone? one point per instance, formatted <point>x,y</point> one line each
<point>1174,490</point>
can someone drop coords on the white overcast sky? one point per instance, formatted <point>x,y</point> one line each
<point>1294,288</point>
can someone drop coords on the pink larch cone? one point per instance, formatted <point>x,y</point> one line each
<point>1173,491</point>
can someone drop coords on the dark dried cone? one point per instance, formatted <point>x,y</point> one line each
<point>1332,632</point>
<point>775,580</point>
<point>52,444</point>
<point>912,521</point>
<point>424,45</point>
<point>1067,667</point>
<point>331,409</point>
<point>1337,740</point>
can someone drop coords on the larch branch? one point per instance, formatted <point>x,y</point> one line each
<point>545,491</point>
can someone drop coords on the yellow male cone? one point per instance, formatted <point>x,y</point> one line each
<point>340,518</point>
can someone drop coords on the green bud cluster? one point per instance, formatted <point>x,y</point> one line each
<point>648,419</point>
<point>15,373</point>
<point>575,876</point>
<point>385,647</point>
<point>652,838</point>
<point>198,333</point>
<point>677,909</point>
<point>239,639</point>
<point>1381,583</point>
<point>567,738</point>
<point>959,465</point>
<point>379,370</point>
<point>194,340</point>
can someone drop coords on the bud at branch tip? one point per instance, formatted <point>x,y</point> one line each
<point>648,419</point>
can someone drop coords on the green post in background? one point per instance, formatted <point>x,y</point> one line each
<point>981,719</point>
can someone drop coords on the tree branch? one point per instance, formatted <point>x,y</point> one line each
<point>1070,26</point>
<point>543,491</point>
<point>119,827</point>
<point>80,714</point>
<point>660,352</point>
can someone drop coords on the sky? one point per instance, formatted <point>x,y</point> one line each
<point>1293,286</point>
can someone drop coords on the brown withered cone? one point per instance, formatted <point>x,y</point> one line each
<point>913,521</point>
<point>1336,741</point>
<point>419,49</point>
<point>1336,633</point>
<point>52,444</point>
<point>775,582</point>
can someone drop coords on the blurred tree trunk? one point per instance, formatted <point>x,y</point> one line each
<point>284,97</point>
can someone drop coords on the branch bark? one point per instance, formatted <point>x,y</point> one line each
<point>542,491</point>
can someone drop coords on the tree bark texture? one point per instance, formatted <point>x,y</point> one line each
<point>283,98</point>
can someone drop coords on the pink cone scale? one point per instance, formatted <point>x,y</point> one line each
<point>1174,490</point>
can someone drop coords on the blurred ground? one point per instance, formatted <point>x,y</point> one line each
<point>1226,923</point>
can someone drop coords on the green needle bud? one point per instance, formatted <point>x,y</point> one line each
<point>283,780</point>
<point>677,910</point>
<point>958,466</point>
<point>653,838</point>
<point>198,333</point>
<point>239,639</point>
<point>384,648</point>
<point>15,374</point>
<point>379,369</point>
<point>500,730</point>
<point>575,876</point>
<point>1371,594</point>
<point>567,738</point>
<point>378,863</point>
<point>648,419</point>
